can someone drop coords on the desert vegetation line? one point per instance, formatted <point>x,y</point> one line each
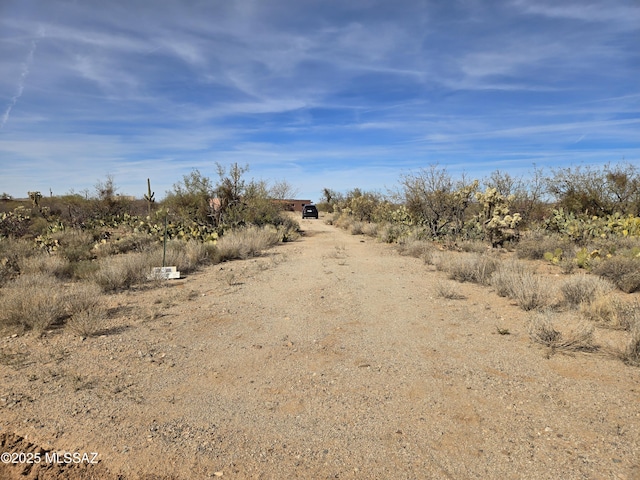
<point>581,220</point>
<point>59,256</point>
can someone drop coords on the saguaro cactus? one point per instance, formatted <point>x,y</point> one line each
<point>149,196</point>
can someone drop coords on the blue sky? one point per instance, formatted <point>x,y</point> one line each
<point>320,93</point>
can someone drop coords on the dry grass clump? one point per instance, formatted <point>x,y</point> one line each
<point>123,271</point>
<point>186,256</point>
<point>414,247</point>
<point>130,242</point>
<point>44,263</point>
<point>583,289</point>
<point>473,246</point>
<point>514,280</point>
<point>542,331</point>
<point>84,305</point>
<point>370,229</point>
<point>75,245</point>
<point>392,232</point>
<point>617,244</point>
<point>357,228</point>
<point>245,243</point>
<point>12,252</point>
<point>448,290</point>
<point>32,302</point>
<point>612,312</point>
<point>631,354</point>
<point>81,297</point>
<point>343,221</point>
<point>87,322</point>
<point>533,245</point>
<point>471,268</point>
<point>623,271</point>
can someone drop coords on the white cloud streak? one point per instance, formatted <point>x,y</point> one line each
<point>21,80</point>
<point>332,86</point>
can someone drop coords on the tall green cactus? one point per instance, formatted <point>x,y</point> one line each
<point>149,196</point>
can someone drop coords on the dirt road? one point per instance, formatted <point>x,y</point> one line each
<point>329,357</point>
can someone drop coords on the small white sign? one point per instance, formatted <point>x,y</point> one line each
<point>159,273</point>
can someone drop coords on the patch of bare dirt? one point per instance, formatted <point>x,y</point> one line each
<point>329,357</point>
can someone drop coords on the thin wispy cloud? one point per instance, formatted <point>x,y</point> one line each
<point>319,93</point>
<point>22,79</point>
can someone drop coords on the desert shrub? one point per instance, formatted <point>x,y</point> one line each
<point>614,244</point>
<point>289,229</point>
<point>516,281</point>
<point>533,245</point>
<point>623,271</point>
<point>599,191</point>
<point>567,265</point>
<point>16,223</point>
<point>44,263</point>
<point>502,279</point>
<point>542,331</point>
<point>448,290</point>
<point>631,354</point>
<point>38,226</point>
<point>413,247</point>
<point>357,228</point>
<point>609,311</point>
<point>472,268</point>
<point>581,289</point>
<point>246,242</point>
<point>134,242</point>
<point>32,302</point>
<point>123,271</point>
<point>12,253</point>
<point>87,322</point>
<point>82,270</point>
<point>370,229</point>
<point>84,305</point>
<point>432,198</point>
<point>473,246</point>
<point>344,221</point>
<point>186,256</point>
<point>75,244</point>
<point>80,297</point>
<point>392,232</point>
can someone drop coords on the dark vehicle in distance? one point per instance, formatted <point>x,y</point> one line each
<point>310,211</point>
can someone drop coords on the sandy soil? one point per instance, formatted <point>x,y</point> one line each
<point>329,357</point>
